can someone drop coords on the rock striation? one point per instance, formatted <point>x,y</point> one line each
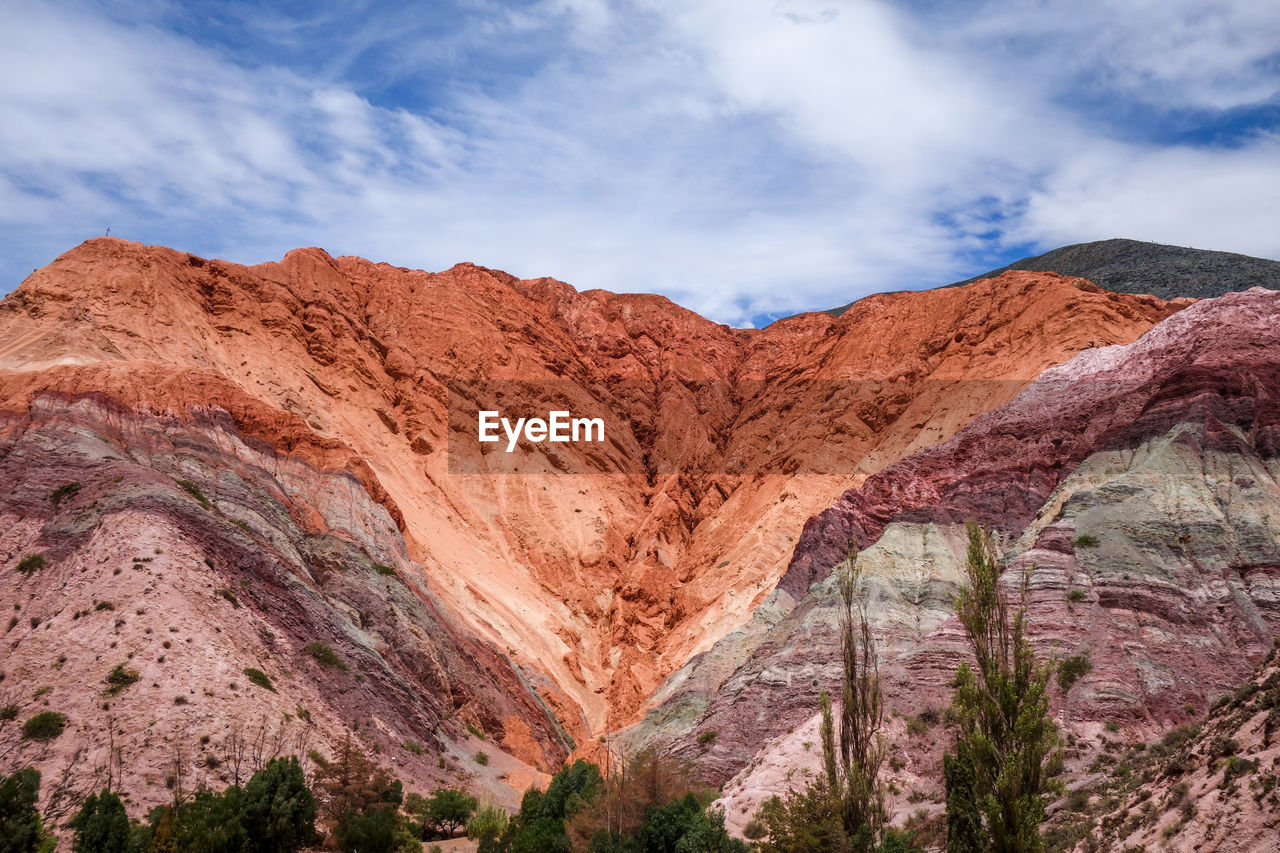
<point>320,406</point>
<point>1135,487</point>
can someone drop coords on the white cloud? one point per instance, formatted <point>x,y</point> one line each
<point>742,157</point>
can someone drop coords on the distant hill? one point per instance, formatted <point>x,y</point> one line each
<point>1132,266</point>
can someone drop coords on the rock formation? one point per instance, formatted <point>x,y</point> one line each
<point>1136,488</point>
<point>279,455</point>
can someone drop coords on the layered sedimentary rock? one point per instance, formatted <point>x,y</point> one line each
<point>1212,787</point>
<point>1136,488</point>
<point>333,389</point>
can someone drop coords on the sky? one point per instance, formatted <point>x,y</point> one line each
<point>747,159</point>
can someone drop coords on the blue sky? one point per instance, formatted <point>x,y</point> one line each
<point>747,159</point>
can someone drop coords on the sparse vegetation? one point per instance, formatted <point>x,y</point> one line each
<point>230,596</point>
<point>1086,540</point>
<point>120,679</point>
<point>708,737</point>
<point>482,758</point>
<point>413,746</point>
<point>195,492</point>
<point>32,563</point>
<point>326,656</point>
<point>60,494</point>
<point>383,569</point>
<point>259,678</point>
<point>1072,669</point>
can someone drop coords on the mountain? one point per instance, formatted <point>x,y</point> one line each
<point>223,466</point>
<point>1136,487</point>
<point>1132,266</point>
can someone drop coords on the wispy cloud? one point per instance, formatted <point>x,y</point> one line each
<point>748,159</point>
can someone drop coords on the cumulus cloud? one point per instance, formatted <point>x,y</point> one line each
<point>749,159</point>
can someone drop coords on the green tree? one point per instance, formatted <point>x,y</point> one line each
<point>279,810</point>
<point>212,822</point>
<point>569,790</point>
<point>542,835</point>
<point>667,824</point>
<point>1001,707</point>
<point>102,826</point>
<point>21,830</point>
<point>447,810</point>
<point>806,821</point>
<point>862,746</point>
<point>844,810</point>
<point>369,831</point>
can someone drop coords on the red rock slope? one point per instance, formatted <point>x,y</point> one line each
<point>596,583</point>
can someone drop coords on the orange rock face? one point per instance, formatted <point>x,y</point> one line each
<point>600,568</point>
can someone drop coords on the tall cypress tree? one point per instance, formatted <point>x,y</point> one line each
<point>1002,708</point>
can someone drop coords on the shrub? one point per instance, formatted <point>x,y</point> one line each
<point>120,679</point>
<point>104,605</point>
<point>45,726</point>
<point>325,656</point>
<point>383,569</point>
<point>754,830</point>
<point>482,758</point>
<point>259,678</point>
<point>708,737</point>
<point>1072,669</point>
<point>66,490</point>
<point>1112,726</point>
<point>32,563</point>
<point>195,492</point>
<point>229,596</point>
<point>1086,540</point>
<point>488,825</point>
<point>1077,595</point>
<point>413,746</point>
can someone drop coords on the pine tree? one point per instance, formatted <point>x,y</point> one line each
<point>102,826</point>
<point>1002,709</point>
